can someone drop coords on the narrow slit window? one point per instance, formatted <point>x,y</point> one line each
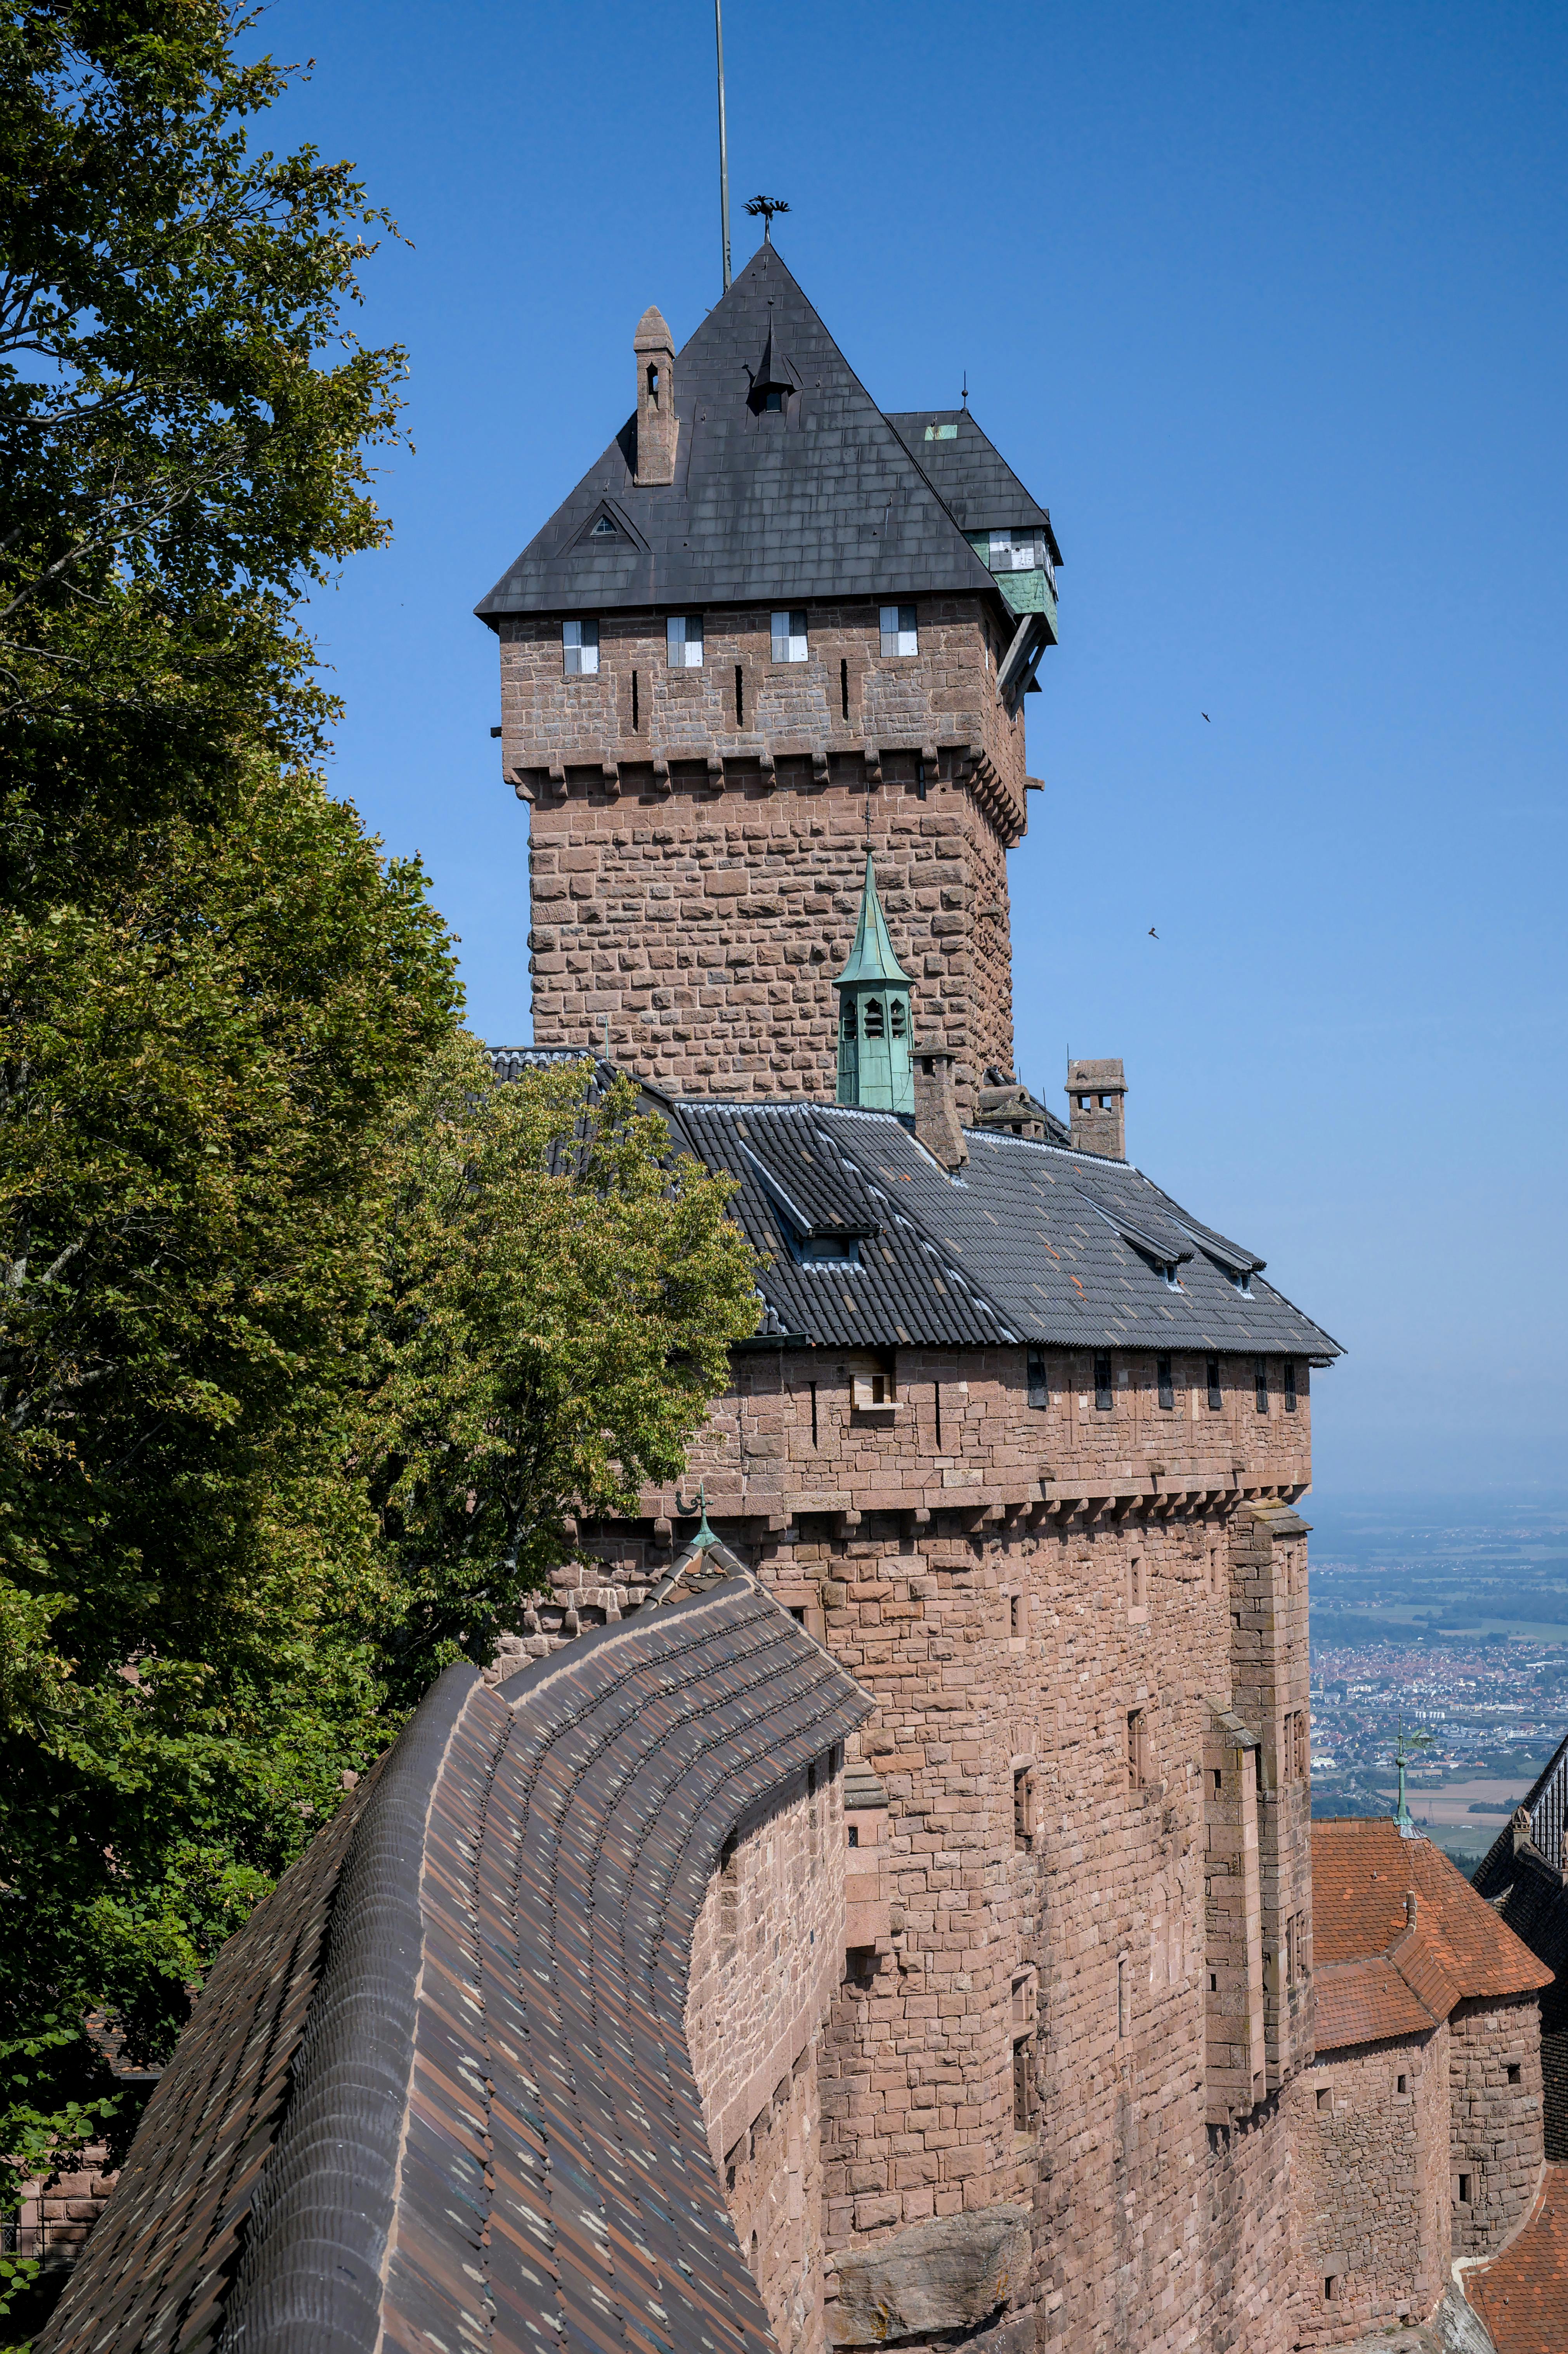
<point>1289,1384</point>
<point>1216,1397</point>
<point>843,687</point>
<point>899,634</point>
<point>1039,1380</point>
<point>1104,1399</point>
<point>1167,1386</point>
<point>684,635</point>
<point>1137,1749</point>
<point>636,707</point>
<point>813,1414</point>
<point>1023,1809</point>
<point>579,647</point>
<point>790,637</point>
<point>1123,1995</point>
<point>1022,2087</point>
<point>1260,1385</point>
<point>739,696</point>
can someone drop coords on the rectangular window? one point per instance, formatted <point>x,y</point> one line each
<point>1013,551</point>
<point>684,635</point>
<point>1216,1397</point>
<point>1167,1387</point>
<point>1402,2085</point>
<point>1260,1383</point>
<point>1022,2087</point>
<point>1289,1384</point>
<point>788,637</point>
<point>1103,1398</point>
<point>1324,2097</point>
<point>1023,1809</point>
<point>1513,2072</point>
<point>1137,1588</point>
<point>899,635</point>
<point>1039,1380</point>
<point>1137,1749</point>
<point>579,644</point>
<point>1464,2189</point>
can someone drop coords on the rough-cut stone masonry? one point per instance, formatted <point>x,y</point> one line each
<point>1036,1896</point>
<point>767,1959</point>
<point>696,883</point>
<point>1370,2129</point>
<point>1496,2124</point>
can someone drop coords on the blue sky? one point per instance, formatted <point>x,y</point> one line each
<point>1267,305</point>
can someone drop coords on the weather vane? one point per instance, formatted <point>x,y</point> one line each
<point>767,207</point>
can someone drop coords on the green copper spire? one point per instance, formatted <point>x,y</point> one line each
<point>874,1070</point>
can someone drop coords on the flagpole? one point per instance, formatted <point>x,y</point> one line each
<point>724,142</point>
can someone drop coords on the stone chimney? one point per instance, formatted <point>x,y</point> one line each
<point>655,399</point>
<point>936,1112</point>
<point>1095,1093</point>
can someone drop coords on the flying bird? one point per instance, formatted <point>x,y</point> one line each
<point>1152,933</point>
<point>1203,715</point>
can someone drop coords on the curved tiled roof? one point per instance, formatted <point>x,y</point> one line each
<point>438,2088</point>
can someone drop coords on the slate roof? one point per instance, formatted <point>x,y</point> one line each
<point>1522,2295</point>
<point>1386,1965</point>
<point>1030,1241</point>
<point>979,488</point>
<point>1546,1804</point>
<point>820,499</point>
<point>437,2089</point>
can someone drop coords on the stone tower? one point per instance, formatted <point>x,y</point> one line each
<point>771,629</point>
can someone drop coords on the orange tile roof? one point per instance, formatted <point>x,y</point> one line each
<point>1399,1936</point>
<point>1522,2295</point>
<point>1367,2002</point>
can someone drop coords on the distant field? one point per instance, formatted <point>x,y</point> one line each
<point>1344,1623</point>
<point>1452,1806</point>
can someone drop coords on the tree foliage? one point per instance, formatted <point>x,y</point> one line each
<point>313,1338</point>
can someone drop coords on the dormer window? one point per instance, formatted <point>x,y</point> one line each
<point>830,1250</point>
<point>939,433</point>
<point>1243,1281</point>
<point>604,529</point>
<point>1013,551</point>
<point>579,647</point>
<point>899,634</point>
<point>773,398</point>
<point>684,636</point>
<point>790,637</point>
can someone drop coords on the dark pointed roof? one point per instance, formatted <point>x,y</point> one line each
<point>821,499</point>
<point>969,472</point>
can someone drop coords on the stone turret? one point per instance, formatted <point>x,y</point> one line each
<point>875,1072</point>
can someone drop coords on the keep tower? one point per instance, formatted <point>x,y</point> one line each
<point>772,631</point>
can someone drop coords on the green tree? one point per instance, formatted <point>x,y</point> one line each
<point>312,1339</point>
<point>558,1297</point>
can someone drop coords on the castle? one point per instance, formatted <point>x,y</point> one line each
<point>955,1710</point>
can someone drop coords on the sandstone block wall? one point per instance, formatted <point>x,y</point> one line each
<point>695,881</point>
<point>1013,1585</point>
<point>1373,2206</point>
<point>1496,2125</point>
<point>767,1959</point>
